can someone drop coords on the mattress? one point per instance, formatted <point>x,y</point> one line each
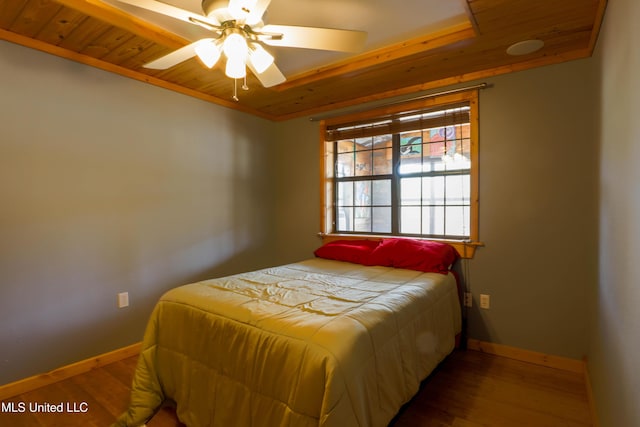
<point>314,343</point>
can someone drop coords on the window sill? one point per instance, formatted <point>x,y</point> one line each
<point>466,249</point>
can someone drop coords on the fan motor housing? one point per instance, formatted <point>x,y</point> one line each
<point>210,7</point>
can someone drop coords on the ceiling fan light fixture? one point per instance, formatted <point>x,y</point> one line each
<point>260,58</point>
<point>235,47</point>
<point>239,33</point>
<point>209,52</point>
<point>236,68</point>
<point>217,10</point>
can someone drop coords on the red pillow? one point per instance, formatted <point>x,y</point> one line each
<point>420,255</point>
<point>356,251</point>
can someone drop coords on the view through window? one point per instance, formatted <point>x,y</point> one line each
<point>409,172</point>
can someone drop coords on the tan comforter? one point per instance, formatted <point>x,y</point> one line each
<point>315,343</point>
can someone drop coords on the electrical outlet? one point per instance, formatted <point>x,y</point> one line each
<point>468,299</point>
<point>123,299</point>
<point>485,301</point>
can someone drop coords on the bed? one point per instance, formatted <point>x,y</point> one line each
<point>332,341</point>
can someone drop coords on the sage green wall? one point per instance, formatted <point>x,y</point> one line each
<point>538,215</point>
<point>615,337</point>
<point>538,210</point>
<point>297,221</point>
<point>110,185</point>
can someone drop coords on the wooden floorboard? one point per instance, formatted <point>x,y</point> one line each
<point>469,389</point>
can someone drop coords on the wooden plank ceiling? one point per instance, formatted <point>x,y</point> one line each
<point>99,35</point>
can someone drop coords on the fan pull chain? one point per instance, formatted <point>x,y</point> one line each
<point>235,90</point>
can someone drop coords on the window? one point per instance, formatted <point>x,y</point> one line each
<point>408,170</point>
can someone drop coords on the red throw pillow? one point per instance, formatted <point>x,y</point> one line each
<point>420,255</point>
<point>356,251</point>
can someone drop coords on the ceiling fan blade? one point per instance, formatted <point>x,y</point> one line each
<point>272,76</point>
<point>315,38</point>
<point>257,11</point>
<point>175,57</point>
<point>172,11</point>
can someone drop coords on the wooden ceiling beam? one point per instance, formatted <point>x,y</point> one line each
<point>446,37</point>
<point>120,19</point>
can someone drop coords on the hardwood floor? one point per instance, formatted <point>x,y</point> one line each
<point>472,389</point>
<point>469,389</point>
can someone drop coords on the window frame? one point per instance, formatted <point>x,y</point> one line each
<point>466,247</point>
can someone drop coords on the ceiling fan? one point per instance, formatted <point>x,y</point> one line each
<point>239,33</point>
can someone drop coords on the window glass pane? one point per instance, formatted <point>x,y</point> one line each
<point>362,201</point>
<point>410,140</point>
<point>433,157</point>
<point>410,191</point>
<point>382,155</point>
<point>466,148</point>
<point>410,152</point>
<point>363,219</point>
<point>353,207</point>
<point>345,194</point>
<point>382,161</point>
<point>433,190</point>
<point>457,221</point>
<point>410,220</point>
<point>345,165</point>
<point>364,163</point>
<point>457,161</point>
<point>382,141</point>
<point>435,148</point>
<point>345,219</point>
<point>362,194</point>
<point>364,143</point>
<point>457,189</point>
<point>464,131</point>
<point>456,153</point>
<point>344,146</point>
<point>433,220</point>
<point>381,221</point>
<point>381,192</point>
